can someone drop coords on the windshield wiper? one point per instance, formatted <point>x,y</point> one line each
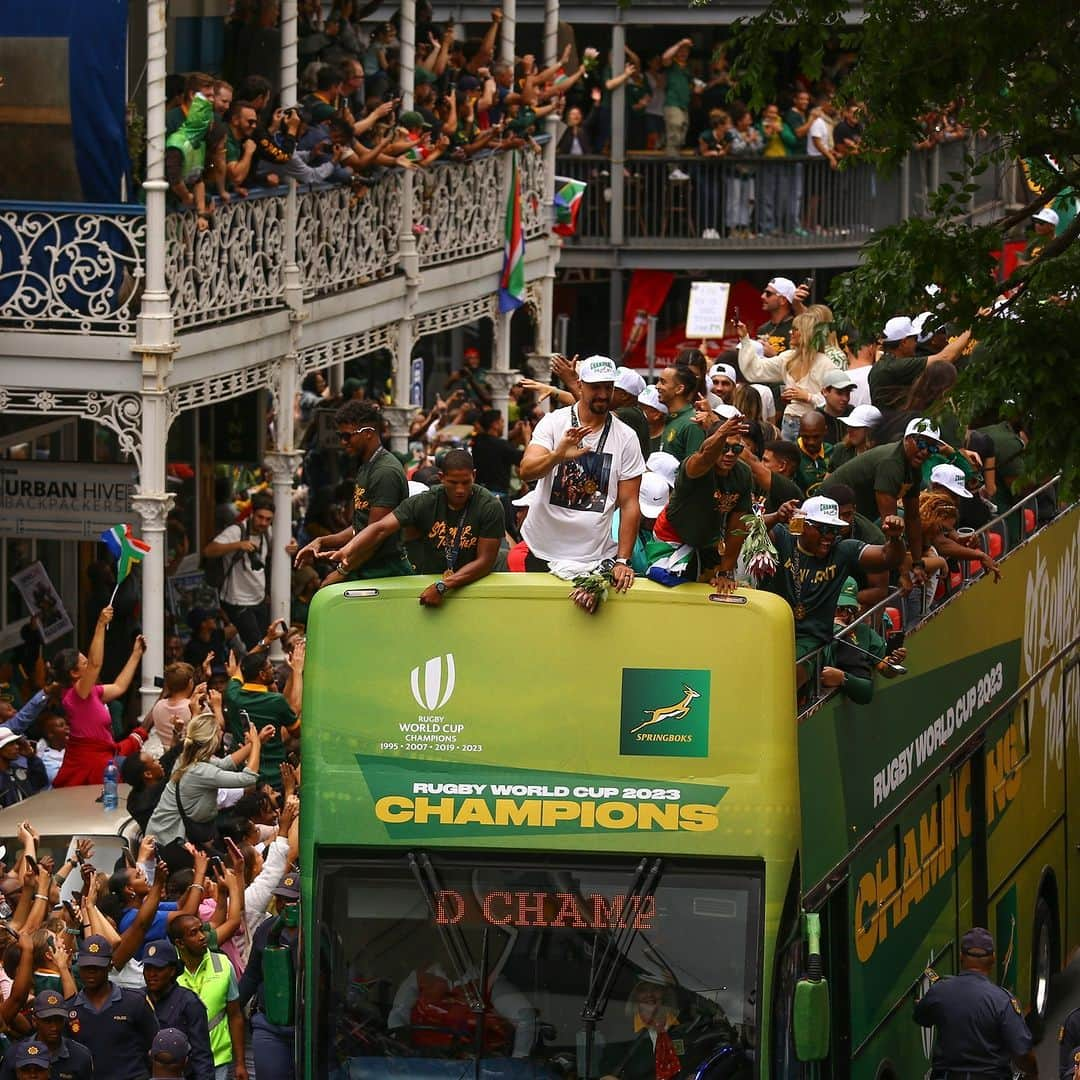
<point>602,975</point>
<point>457,948</point>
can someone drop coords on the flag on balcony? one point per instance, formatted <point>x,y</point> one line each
<point>568,195</point>
<point>512,285</point>
<point>128,550</point>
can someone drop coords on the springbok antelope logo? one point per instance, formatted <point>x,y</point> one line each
<point>678,711</point>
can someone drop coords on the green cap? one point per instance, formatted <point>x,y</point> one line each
<point>849,594</point>
<point>412,119</point>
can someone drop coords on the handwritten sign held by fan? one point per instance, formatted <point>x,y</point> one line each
<point>706,313</point>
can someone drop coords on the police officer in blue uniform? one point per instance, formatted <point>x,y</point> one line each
<point>272,1044</point>
<point>116,1025</point>
<point>1069,1046</point>
<point>981,1033</point>
<point>178,1008</point>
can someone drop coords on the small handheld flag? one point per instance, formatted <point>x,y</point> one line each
<point>128,550</point>
<point>568,195</point>
<point>512,284</point>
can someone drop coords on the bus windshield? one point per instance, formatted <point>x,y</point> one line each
<point>446,958</point>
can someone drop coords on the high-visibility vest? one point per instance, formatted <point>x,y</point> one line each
<point>211,981</point>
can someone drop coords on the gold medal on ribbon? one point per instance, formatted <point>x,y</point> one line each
<point>800,612</point>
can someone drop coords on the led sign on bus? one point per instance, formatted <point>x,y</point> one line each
<point>562,910</point>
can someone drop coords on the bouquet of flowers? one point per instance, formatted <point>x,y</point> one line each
<point>591,589</point>
<point>590,58</point>
<point>761,556</point>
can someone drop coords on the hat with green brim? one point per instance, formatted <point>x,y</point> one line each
<point>849,594</point>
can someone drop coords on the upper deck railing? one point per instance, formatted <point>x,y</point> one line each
<point>77,268</point>
<point>758,202</point>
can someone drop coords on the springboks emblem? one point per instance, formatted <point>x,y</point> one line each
<point>434,693</point>
<point>678,711</point>
<point>664,712</point>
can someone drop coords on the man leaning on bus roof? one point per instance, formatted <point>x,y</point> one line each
<point>459,523</point>
<point>980,1026</point>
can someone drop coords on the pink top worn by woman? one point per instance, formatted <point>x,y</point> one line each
<point>90,744</point>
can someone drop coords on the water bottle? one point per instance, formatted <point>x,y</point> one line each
<point>110,791</point>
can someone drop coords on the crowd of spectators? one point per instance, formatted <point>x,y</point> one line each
<point>227,139</point>
<point>827,464</point>
<point>682,102</point>
<point>852,438</point>
<point>228,136</point>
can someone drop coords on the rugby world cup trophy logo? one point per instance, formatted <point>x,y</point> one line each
<point>431,688</point>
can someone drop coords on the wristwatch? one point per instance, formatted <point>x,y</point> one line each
<point>440,587</point>
<point>622,562</point>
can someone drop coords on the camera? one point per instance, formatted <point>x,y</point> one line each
<point>255,562</point>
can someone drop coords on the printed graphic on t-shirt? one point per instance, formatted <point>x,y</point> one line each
<point>582,484</point>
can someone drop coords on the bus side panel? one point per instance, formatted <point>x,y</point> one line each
<point>903,903</point>
<point>1013,913</point>
<point>1067,720</point>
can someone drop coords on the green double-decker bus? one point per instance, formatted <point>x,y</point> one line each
<point>538,843</point>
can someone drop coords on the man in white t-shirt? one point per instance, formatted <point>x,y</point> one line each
<point>585,462</point>
<point>819,141</point>
<point>245,553</point>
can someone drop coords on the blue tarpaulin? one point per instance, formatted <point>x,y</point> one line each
<point>97,48</point>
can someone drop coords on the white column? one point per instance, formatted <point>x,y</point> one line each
<point>152,504</point>
<point>508,31</point>
<point>155,345</point>
<point>401,411</point>
<point>154,325</point>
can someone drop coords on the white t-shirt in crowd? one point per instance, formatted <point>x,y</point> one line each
<point>819,129</point>
<point>243,586</point>
<point>571,518</point>
<point>860,376</point>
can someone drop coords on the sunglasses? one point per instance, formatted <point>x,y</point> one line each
<point>925,444</point>
<point>733,448</point>
<point>827,530</point>
<point>345,436</point>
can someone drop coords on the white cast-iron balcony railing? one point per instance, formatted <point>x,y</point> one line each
<point>79,268</point>
<point>70,266</point>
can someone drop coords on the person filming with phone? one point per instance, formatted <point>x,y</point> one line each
<point>244,549</point>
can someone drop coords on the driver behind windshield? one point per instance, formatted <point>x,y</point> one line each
<point>431,1009</point>
<point>655,1049</point>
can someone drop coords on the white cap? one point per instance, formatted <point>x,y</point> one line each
<point>653,495</point>
<point>596,369</point>
<point>785,287</point>
<point>728,412</point>
<point>822,511</point>
<point>950,477</point>
<point>663,464</point>
<point>526,500</point>
<point>8,736</point>
<point>726,370</point>
<point>1047,215</point>
<point>898,328</point>
<point>920,321</point>
<point>416,488</point>
<point>838,380</point>
<point>651,396</point>
<point>629,380</point>
<point>862,416</point>
<point>922,428</point>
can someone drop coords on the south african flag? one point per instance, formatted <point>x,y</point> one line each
<point>125,548</point>
<point>568,196</point>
